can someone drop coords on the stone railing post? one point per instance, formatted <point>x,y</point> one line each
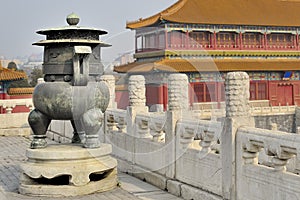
<point>297,116</point>
<point>237,114</point>
<point>178,102</point>
<point>110,81</point>
<point>178,92</point>
<point>137,101</point>
<point>40,80</point>
<point>178,106</point>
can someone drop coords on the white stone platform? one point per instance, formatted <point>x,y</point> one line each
<point>68,170</point>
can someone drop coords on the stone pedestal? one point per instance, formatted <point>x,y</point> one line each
<point>68,170</point>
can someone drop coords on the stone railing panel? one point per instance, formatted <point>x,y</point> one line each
<point>151,125</point>
<point>211,110</point>
<point>151,152</point>
<point>115,133</point>
<point>272,110</point>
<point>142,128</point>
<point>15,124</point>
<point>116,120</point>
<point>14,120</point>
<point>206,132</point>
<point>257,179</point>
<point>198,160</point>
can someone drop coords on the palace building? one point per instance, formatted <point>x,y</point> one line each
<point>6,77</point>
<point>206,39</point>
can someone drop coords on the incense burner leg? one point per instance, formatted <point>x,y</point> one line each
<point>39,124</point>
<point>92,121</point>
<point>79,132</point>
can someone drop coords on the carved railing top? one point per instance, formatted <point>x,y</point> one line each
<point>272,109</point>
<point>207,132</point>
<point>260,136</point>
<point>5,103</point>
<point>152,116</point>
<point>116,112</point>
<point>208,125</point>
<point>281,146</point>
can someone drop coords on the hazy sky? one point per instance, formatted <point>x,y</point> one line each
<point>20,19</point>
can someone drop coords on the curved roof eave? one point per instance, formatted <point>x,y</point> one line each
<point>155,18</point>
<point>263,13</point>
<point>10,75</point>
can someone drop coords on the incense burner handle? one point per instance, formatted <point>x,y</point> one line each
<point>81,65</point>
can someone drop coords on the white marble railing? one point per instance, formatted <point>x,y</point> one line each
<point>116,120</point>
<point>209,113</point>
<point>146,125</point>
<point>255,111</point>
<point>225,158</point>
<point>280,146</point>
<point>271,179</point>
<point>206,133</point>
<point>10,104</point>
<point>151,125</point>
<point>272,110</point>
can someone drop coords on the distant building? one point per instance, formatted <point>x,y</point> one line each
<point>207,39</point>
<point>7,76</point>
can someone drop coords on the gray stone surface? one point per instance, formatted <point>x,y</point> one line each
<point>189,192</point>
<point>13,153</point>
<point>142,189</point>
<point>285,122</point>
<point>68,160</point>
<point>174,187</point>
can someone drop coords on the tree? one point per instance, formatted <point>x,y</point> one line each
<point>20,83</point>
<point>12,66</point>
<point>35,75</point>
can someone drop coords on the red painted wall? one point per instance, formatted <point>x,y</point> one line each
<point>278,92</point>
<point>122,99</point>
<point>155,94</point>
<point>284,93</point>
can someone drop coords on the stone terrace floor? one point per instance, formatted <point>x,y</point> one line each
<point>12,153</point>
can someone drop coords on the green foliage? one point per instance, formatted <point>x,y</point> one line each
<point>19,84</point>
<point>35,75</point>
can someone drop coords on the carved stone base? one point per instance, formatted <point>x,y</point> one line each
<point>68,170</point>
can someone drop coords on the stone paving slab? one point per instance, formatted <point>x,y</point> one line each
<point>143,190</point>
<point>134,185</point>
<point>12,153</point>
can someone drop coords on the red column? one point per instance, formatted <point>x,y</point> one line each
<point>265,41</point>
<point>191,93</point>
<point>166,39</point>
<point>160,94</point>
<point>165,93</point>
<point>187,40</point>
<point>211,40</point>
<point>297,41</point>
<point>171,40</point>
<point>241,40</point>
<point>156,43</point>
<point>215,40</point>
